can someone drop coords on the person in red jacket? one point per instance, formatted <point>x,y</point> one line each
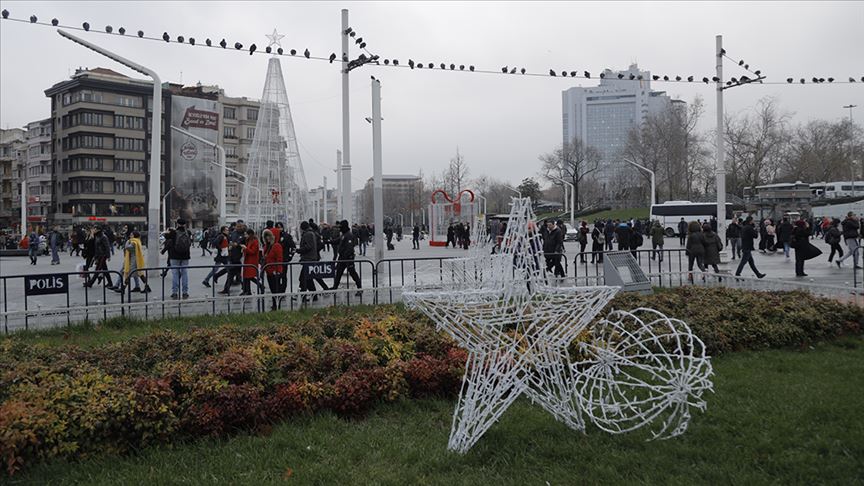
<point>273,265</point>
<point>251,261</point>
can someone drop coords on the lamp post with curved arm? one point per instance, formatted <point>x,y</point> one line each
<point>572,200</point>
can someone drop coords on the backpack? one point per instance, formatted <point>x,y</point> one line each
<point>601,237</point>
<point>182,242</point>
<point>637,239</point>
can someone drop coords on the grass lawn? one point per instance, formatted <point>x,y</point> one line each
<point>778,416</point>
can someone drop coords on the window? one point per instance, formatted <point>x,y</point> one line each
<point>83,186</point>
<point>251,114</point>
<point>250,132</point>
<point>131,101</point>
<point>129,144</point>
<point>229,132</point>
<point>231,190</point>
<point>128,165</point>
<point>231,150</point>
<point>129,122</point>
<point>83,141</point>
<point>83,163</point>
<point>128,187</point>
<point>83,118</point>
<point>229,113</point>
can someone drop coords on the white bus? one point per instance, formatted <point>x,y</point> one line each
<point>669,214</point>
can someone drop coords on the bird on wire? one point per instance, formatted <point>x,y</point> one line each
<point>522,70</point>
<point>121,30</point>
<point>471,68</point>
<point>109,29</point>
<point>333,58</point>
<point>587,75</point>
<point>252,49</point>
<point>166,37</point>
<point>306,53</point>
<point>86,26</point>
<point>238,46</point>
<point>180,39</point>
<point>33,19</point>
<point>192,41</point>
<point>54,22</point>
<point>293,52</point>
<point>140,33</point>
<point>223,44</point>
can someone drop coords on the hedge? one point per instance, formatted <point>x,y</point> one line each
<point>65,401</point>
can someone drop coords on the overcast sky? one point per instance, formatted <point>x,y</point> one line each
<point>500,123</point>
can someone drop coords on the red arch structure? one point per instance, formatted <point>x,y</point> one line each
<point>442,213</point>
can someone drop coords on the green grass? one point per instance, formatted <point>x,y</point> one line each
<point>776,416</point>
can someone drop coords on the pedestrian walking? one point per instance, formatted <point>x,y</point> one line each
<point>833,237</point>
<point>682,232</point>
<point>695,247</point>
<point>273,267</point>
<point>345,258</point>
<point>54,241</point>
<point>101,255</point>
<point>784,235</point>
<point>415,237</point>
<point>251,261</point>
<point>553,246</point>
<point>851,227</point>
<point>583,239</point>
<point>733,237</point>
<point>804,250</point>
<point>748,236</point>
<point>598,242</point>
<point>713,246</point>
<point>178,244</point>
<point>658,237</point>
<point>219,243</point>
<point>236,238</point>
<point>133,259</point>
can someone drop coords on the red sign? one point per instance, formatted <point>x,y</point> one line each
<point>95,218</point>
<point>200,119</point>
<point>37,219</point>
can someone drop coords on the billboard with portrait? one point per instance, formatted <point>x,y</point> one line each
<point>194,176</point>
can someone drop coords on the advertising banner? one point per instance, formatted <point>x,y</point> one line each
<point>194,177</point>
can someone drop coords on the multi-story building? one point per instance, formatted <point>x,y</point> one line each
<point>101,144</point>
<point>237,128</point>
<point>38,172</point>
<point>602,117</point>
<point>402,195</point>
<point>775,200</point>
<point>13,157</point>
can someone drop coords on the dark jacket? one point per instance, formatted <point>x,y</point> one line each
<point>801,238</point>
<point>101,246</point>
<point>308,247</point>
<point>623,232</point>
<point>235,253</point>
<point>554,242</point>
<point>784,232</point>
<point>173,252</point>
<point>682,227</point>
<point>657,235</point>
<point>712,244</point>
<point>748,236</point>
<point>733,231</point>
<point>346,246</point>
<point>696,244</point>
<point>850,229</point>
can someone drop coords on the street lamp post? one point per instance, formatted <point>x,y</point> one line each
<point>852,147</point>
<point>155,171</point>
<point>165,210</point>
<point>572,200</point>
<point>221,152</point>
<point>653,186</point>
<point>517,191</point>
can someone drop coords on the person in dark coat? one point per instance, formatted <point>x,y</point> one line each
<point>345,258</point>
<point>851,228</point>
<point>711,241</point>
<point>784,235</point>
<point>415,238</point>
<point>833,238</point>
<point>695,246</point>
<point>733,237</point>
<point>609,230</point>
<point>804,250</point>
<point>748,236</point>
<point>682,232</point>
<point>598,242</point>
<point>622,232</point>
<point>553,247</point>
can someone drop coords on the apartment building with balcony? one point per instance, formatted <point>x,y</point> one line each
<point>13,157</point>
<point>38,172</point>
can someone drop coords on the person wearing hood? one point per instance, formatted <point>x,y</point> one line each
<point>598,242</point>
<point>33,249</point>
<point>623,232</point>
<point>657,239</point>
<point>713,245</point>
<point>345,258</point>
<point>695,246</point>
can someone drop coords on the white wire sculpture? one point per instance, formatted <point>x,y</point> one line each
<point>629,370</point>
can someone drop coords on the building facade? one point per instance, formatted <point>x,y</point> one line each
<point>237,129</point>
<point>13,159</point>
<point>402,196</point>
<point>602,117</point>
<point>101,143</point>
<point>38,173</point>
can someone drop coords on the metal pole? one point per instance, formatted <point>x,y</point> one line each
<point>24,201</point>
<point>347,199</point>
<point>653,186</point>
<point>165,210</point>
<point>721,149</point>
<point>378,195</point>
<point>325,200</point>
<point>339,214</point>
<point>155,171</point>
<point>852,148</point>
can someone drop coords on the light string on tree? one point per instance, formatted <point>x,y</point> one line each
<point>375,59</point>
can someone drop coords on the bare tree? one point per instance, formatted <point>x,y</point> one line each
<point>457,174</point>
<point>820,151</point>
<point>755,145</point>
<point>573,162</point>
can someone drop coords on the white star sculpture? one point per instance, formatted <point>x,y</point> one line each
<point>275,39</point>
<point>518,328</point>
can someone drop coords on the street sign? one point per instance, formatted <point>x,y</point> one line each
<point>46,284</point>
<point>320,269</point>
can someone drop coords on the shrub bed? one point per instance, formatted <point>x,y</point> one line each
<point>65,401</point>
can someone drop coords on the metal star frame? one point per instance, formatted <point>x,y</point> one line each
<point>519,328</point>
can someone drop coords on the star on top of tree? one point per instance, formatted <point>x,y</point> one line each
<point>275,38</point>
